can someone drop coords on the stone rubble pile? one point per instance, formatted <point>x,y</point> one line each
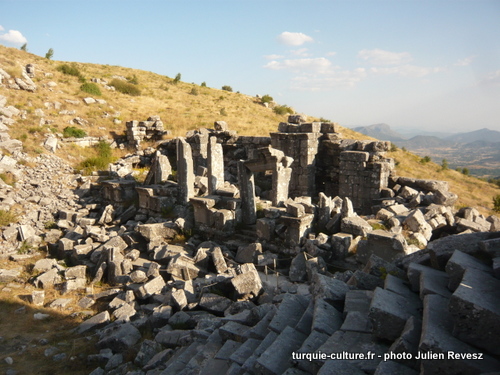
<point>225,255</point>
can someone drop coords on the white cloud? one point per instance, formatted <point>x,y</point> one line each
<point>333,79</point>
<point>273,57</point>
<point>14,37</point>
<point>319,64</point>
<point>300,52</point>
<point>465,62</point>
<point>293,39</point>
<point>1,28</point>
<point>406,71</point>
<point>381,57</point>
<point>492,79</point>
<point>331,53</point>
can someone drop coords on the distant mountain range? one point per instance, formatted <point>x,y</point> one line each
<point>478,150</point>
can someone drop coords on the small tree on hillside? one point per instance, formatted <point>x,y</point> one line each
<point>24,47</point>
<point>49,54</point>
<point>177,78</point>
<point>227,88</point>
<point>444,165</point>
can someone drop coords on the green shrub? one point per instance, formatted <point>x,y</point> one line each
<point>125,87</point>
<point>394,148</point>
<point>49,54</point>
<point>73,132</point>
<point>425,160</point>
<point>496,203</point>
<point>71,70</point>
<point>203,84</point>
<point>223,112</point>
<point>283,110</point>
<point>194,91</point>
<point>466,171</point>
<point>177,79</point>
<point>99,162</point>
<point>227,88</point>
<point>444,165</point>
<point>91,88</point>
<point>134,80</point>
<point>266,99</point>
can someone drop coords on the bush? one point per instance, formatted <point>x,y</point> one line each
<point>203,84</point>
<point>194,91</point>
<point>134,80</point>
<point>125,87</point>
<point>69,70</point>
<point>227,88</point>
<point>394,148</point>
<point>177,79</point>
<point>444,165</point>
<point>223,112</point>
<point>91,88</point>
<point>266,99</point>
<point>425,160</point>
<point>73,132</point>
<point>99,162</point>
<point>283,110</point>
<point>465,171</point>
<point>49,54</point>
<point>496,203</point>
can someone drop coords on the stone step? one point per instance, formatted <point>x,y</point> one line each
<point>242,353</point>
<point>326,318</point>
<point>475,309</point>
<point>249,364</point>
<point>458,264</point>
<point>310,345</point>
<point>435,282</point>
<point>396,285</point>
<point>350,345</point>
<point>389,312</point>
<point>260,330</point>
<point>305,322</point>
<point>289,313</point>
<point>180,359</point>
<point>220,363</point>
<point>277,357</point>
<point>201,359</point>
<point>408,342</point>
<point>437,341</point>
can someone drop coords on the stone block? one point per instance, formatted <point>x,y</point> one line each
<point>289,312</point>
<point>475,310</point>
<point>458,264</point>
<point>356,226</point>
<point>150,288</point>
<point>247,284</point>
<point>326,318</point>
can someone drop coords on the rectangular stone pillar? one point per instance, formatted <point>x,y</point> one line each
<point>215,166</point>
<point>185,173</point>
<point>247,194</point>
<point>281,180</point>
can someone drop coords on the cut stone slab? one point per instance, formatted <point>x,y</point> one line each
<point>458,264</point>
<point>310,345</point>
<point>386,245</point>
<point>437,338</point>
<point>351,344</point>
<point>214,303</point>
<point>247,284</point>
<point>356,226</point>
<point>434,282</point>
<point>379,267</point>
<point>172,339</point>
<point>298,270</point>
<point>241,354</point>
<point>326,318</point>
<point>227,349</point>
<point>6,276</point>
<point>475,309</point>
<point>364,281</point>
<point>357,301</point>
<point>277,358</point>
<point>408,342</point>
<point>289,313</point>
<point>150,288</point>
<point>119,338</point>
<point>389,312</point>
<point>97,320</point>
<point>330,289</point>
<point>233,331</point>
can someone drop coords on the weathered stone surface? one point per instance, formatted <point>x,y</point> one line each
<point>150,288</point>
<point>95,321</point>
<point>356,226</point>
<point>214,303</point>
<point>458,264</point>
<point>388,246</point>
<point>248,283</point>
<point>475,309</point>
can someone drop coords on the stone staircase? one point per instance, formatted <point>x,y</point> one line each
<point>409,326</point>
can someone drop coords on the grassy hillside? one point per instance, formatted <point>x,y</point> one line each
<point>182,107</point>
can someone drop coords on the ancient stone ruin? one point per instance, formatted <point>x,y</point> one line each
<point>254,255</point>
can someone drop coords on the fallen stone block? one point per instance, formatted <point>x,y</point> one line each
<point>150,288</point>
<point>458,264</point>
<point>330,289</point>
<point>356,226</point>
<point>389,312</point>
<point>94,322</point>
<point>233,331</point>
<point>326,318</point>
<point>277,357</point>
<point>247,284</point>
<point>172,339</point>
<point>298,270</point>
<point>48,279</point>
<point>386,245</point>
<point>6,276</point>
<point>475,309</point>
<point>289,313</point>
<point>437,342</point>
<point>214,303</point>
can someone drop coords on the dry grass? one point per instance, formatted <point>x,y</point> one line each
<point>21,332</point>
<point>180,110</point>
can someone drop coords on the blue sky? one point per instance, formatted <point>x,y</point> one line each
<point>432,65</point>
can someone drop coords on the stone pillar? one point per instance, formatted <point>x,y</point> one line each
<point>185,174</point>
<point>247,194</point>
<point>160,170</point>
<point>215,166</point>
<point>281,180</point>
